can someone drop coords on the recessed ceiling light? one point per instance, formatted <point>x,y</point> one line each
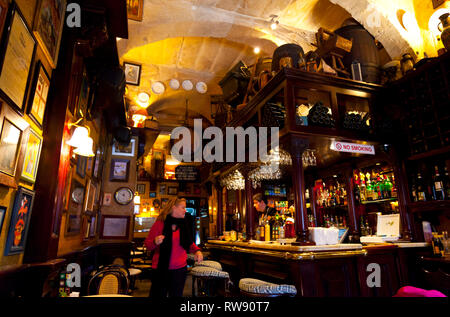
<point>256,50</point>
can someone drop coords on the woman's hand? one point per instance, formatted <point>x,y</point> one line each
<point>198,256</point>
<point>159,239</point>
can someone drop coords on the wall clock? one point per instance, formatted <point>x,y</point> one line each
<point>78,195</point>
<point>123,195</point>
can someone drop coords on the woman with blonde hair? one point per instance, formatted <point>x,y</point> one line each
<point>171,238</point>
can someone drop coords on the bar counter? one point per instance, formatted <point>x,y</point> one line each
<point>325,270</point>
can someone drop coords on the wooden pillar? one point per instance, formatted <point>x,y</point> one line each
<point>219,227</point>
<point>249,209</point>
<point>352,217</point>
<point>297,147</point>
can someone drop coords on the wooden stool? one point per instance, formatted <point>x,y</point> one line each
<point>256,288</point>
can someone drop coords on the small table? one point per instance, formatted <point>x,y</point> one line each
<point>133,273</point>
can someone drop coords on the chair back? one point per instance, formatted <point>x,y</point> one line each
<point>112,279</point>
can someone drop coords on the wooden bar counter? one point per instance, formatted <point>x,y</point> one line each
<point>316,271</point>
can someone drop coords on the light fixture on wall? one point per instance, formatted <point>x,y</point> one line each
<point>143,99</point>
<point>274,21</point>
<point>80,140</point>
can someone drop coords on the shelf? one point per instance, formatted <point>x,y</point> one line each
<point>377,201</point>
<point>428,154</point>
<point>436,205</point>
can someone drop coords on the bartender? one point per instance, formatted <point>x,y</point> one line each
<point>265,212</point>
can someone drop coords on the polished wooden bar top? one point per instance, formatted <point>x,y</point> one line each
<point>289,252</point>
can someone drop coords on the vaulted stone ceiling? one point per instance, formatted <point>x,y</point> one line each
<point>202,40</point>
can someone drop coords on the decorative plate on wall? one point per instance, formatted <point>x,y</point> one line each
<point>174,84</point>
<point>201,87</point>
<point>187,85</point>
<point>158,88</point>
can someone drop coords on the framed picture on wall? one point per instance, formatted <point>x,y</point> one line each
<point>81,165</point>
<point>90,196</point>
<point>39,93</point>
<point>20,221</point>
<point>114,227</point>
<point>49,22</point>
<point>120,150</point>
<point>32,156</point>
<point>162,189</point>
<point>132,73</point>
<point>17,49</point>
<point>140,188</point>
<point>172,190</point>
<point>73,225</point>
<point>164,202</point>
<point>135,9</point>
<point>107,198</point>
<point>76,197</point>
<point>152,195</point>
<point>120,170</point>
<point>14,132</point>
<point>93,227</point>
<point>3,11</point>
<point>2,217</point>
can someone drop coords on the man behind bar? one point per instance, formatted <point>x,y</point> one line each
<point>260,204</point>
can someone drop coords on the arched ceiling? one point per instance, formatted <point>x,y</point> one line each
<point>202,40</point>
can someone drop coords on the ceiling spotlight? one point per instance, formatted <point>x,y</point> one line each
<point>256,50</point>
<point>273,21</point>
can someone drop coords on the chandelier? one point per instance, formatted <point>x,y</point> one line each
<point>233,181</point>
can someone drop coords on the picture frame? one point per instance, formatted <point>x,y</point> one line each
<point>156,203</point>
<point>90,196</point>
<point>4,4</point>
<point>77,197</point>
<point>114,227</point>
<point>164,202</point>
<point>132,73</point>
<point>120,150</point>
<point>93,227</point>
<point>107,198</point>
<point>32,157</point>
<point>135,9</point>
<point>39,93</point>
<point>73,225</point>
<point>48,27</point>
<point>120,170</point>
<point>2,216</point>
<point>20,221</point>
<point>162,189</point>
<point>140,188</point>
<point>18,46</point>
<point>89,165</point>
<point>172,190</point>
<point>81,165</point>
<point>68,187</point>
<point>15,130</point>
<point>143,175</point>
<point>152,195</point>
<point>83,95</point>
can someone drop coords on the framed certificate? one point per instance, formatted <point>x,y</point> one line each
<point>39,93</point>
<point>17,49</point>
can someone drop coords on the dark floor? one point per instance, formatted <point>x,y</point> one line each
<point>142,287</point>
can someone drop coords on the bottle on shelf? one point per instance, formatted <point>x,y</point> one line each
<point>362,227</point>
<point>267,231</point>
<point>446,183</point>
<point>437,185</point>
<point>420,188</point>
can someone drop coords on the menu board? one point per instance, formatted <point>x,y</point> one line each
<point>186,173</point>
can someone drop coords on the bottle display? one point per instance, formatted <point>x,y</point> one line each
<point>374,184</point>
<point>429,181</point>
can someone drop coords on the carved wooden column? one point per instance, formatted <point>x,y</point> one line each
<point>352,217</point>
<point>249,209</point>
<point>219,226</point>
<point>296,148</point>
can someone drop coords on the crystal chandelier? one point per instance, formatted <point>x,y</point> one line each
<point>265,172</point>
<point>309,158</point>
<point>233,181</point>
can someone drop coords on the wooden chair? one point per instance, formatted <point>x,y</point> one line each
<point>109,280</point>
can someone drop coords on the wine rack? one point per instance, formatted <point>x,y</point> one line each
<point>424,100</point>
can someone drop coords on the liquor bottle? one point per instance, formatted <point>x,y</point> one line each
<point>436,245</point>
<point>267,231</point>
<point>421,195</point>
<point>394,193</point>
<point>369,187</point>
<point>362,227</point>
<point>368,228</point>
<point>437,186</point>
<point>414,191</point>
<point>446,183</point>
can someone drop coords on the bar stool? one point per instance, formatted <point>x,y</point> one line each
<point>256,288</point>
<point>207,281</point>
<point>214,264</point>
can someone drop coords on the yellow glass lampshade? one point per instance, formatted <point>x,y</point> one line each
<point>78,137</point>
<point>85,149</point>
